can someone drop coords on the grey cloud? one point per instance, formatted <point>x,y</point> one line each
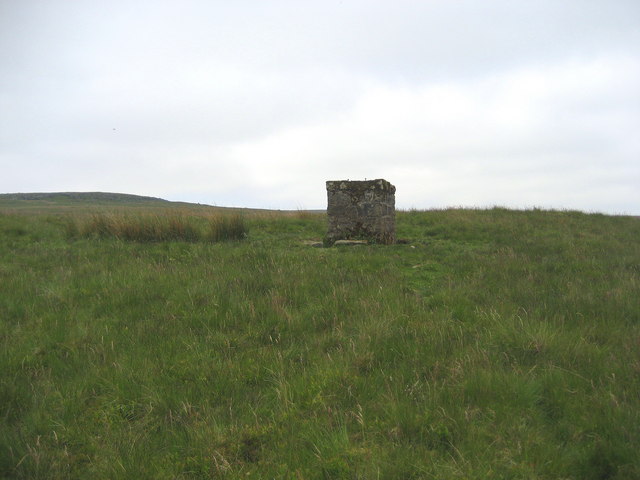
<point>264,94</point>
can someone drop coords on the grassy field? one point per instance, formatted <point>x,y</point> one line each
<point>493,344</point>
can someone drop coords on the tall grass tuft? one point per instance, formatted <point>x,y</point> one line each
<point>227,227</point>
<point>147,228</point>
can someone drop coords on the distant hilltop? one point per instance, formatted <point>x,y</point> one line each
<point>82,197</point>
<point>63,201</point>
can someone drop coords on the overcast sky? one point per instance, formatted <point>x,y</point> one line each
<point>256,103</point>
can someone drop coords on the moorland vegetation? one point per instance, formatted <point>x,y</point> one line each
<point>492,344</point>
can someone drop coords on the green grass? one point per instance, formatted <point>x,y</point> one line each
<point>494,344</point>
<point>148,227</point>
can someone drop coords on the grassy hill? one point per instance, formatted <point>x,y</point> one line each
<point>77,199</point>
<point>79,202</point>
<point>84,197</point>
<point>494,344</point>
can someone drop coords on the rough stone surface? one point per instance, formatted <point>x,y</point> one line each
<point>350,243</point>
<point>313,243</point>
<point>361,210</point>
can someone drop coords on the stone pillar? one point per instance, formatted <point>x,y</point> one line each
<point>361,210</point>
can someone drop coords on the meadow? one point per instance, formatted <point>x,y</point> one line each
<point>491,344</point>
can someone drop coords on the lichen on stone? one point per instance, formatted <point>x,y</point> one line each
<point>361,209</point>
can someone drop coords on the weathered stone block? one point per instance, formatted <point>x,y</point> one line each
<point>361,209</point>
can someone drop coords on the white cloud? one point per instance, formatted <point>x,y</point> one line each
<point>523,138</point>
